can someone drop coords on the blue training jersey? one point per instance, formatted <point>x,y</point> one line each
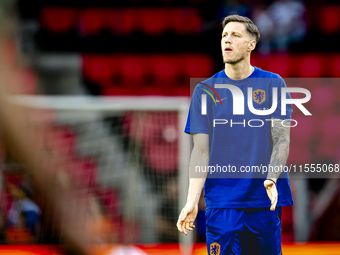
<point>240,144</point>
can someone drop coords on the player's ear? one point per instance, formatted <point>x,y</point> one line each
<point>252,45</point>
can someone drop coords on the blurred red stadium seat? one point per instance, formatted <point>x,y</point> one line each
<point>133,71</point>
<point>336,67</point>
<point>154,21</point>
<point>131,21</point>
<point>92,21</point>
<point>58,20</point>
<point>115,21</point>
<point>311,66</point>
<point>98,69</point>
<point>280,64</point>
<point>123,21</point>
<point>197,65</point>
<point>165,70</point>
<point>187,21</point>
<point>153,90</point>
<point>329,19</point>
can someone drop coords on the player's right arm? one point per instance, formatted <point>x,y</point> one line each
<point>199,157</point>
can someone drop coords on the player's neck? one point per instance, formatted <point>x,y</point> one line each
<point>239,71</point>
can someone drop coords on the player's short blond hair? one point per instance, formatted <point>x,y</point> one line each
<point>250,26</point>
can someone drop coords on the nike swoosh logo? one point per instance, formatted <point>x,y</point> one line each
<point>221,100</point>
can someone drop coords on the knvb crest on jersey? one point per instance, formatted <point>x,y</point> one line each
<point>215,249</point>
<point>259,96</point>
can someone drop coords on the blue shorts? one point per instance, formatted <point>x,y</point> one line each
<point>247,231</point>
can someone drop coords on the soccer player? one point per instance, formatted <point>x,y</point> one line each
<point>243,209</point>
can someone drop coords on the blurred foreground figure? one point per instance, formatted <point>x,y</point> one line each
<point>18,135</point>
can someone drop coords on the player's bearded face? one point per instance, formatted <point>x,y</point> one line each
<point>234,43</point>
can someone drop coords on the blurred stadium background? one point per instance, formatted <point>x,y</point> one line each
<point>107,85</point>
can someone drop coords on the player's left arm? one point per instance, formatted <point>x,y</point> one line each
<point>281,138</point>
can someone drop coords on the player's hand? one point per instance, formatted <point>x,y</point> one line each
<point>272,193</point>
<point>187,217</point>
